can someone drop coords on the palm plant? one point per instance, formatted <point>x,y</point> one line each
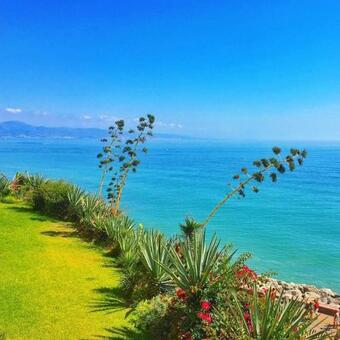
<point>191,268</point>
<point>276,319</point>
<point>154,254</point>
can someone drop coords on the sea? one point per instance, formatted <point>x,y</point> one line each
<point>291,227</point>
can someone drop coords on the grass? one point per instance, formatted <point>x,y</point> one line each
<point>53,285</point>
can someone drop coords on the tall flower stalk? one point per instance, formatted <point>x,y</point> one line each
<point>121,155</point>
<point>274,165</point>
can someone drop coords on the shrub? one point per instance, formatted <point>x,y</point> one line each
<point>155,318</point>
<point>51,197</point>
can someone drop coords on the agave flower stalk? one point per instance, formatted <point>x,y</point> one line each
<point>120,155</point>
<point>276,164</point>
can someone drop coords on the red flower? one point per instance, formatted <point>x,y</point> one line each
<point>181,293</point>
<point>206,306</point>
<point>205,317</point>
<point>246,316</point>
<point>246,272</point>
<point>273,294</point>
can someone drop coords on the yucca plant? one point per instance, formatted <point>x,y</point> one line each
<point>190,269</point>
<point>154,254</point>
<point>275,319</point>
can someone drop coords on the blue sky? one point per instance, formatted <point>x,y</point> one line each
<point>230,69</point>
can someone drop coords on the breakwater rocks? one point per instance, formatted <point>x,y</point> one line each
<point>302,292</point>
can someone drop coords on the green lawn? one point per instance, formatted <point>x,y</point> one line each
<point>53,285</point>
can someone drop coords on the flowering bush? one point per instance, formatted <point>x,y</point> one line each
<point>155,318</point>
<point>245,274</point>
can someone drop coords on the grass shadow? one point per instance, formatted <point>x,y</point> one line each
<point>22,209</point>
<point>40,219</point>
<point>38,216</point>
<point>119,333</point>
<point>54,233</point>
<point>111,300</point>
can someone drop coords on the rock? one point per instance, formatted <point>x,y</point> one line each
<point>324,299</point>
<point>288,296</point>
<point>327,292</point>
<point>311,296</point>
<point>312,289</point>
<point>302,292</point>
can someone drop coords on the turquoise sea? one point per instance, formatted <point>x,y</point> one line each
<point>292,227</point>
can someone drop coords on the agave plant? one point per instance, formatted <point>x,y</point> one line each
<point>4,186</point>
<point>75,197</point>
<point>92,209</point>
<point>276,319</point>
<point>190,226</point>
<point>155,255</point>
<point>191,268</point>
<point>128,242</point>
<point>33,181</point>
<point>118,227</point>
<point>18,182</point>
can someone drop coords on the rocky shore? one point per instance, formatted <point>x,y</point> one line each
<point>303,292</point>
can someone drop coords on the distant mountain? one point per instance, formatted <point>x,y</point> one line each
<point>20,129</point>
<point>23,130</point>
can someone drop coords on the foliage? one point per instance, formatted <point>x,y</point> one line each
<point>51,198</point>
<point>270,318</point>
<point>25,184</point>
<point>120,155</point>
<point>153,317</point>
<point>190,268</point>
<point>155,255</point>
<point>4,186</point>
<point>119,227</point>
<point>189,227</point>
<point>75,197</point>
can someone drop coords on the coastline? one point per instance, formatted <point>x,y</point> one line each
<point>303,292</point>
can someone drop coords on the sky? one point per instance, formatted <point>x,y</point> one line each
<point>226,69</point>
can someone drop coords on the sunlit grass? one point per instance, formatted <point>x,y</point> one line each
<point>53,285</point>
